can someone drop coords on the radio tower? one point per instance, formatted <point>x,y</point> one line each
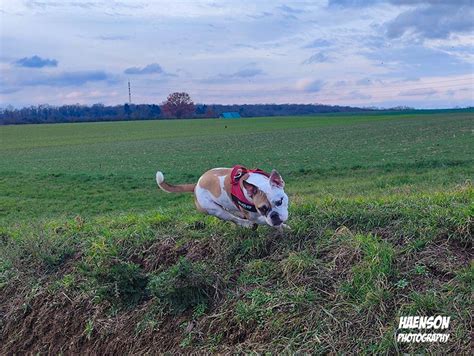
<point>129,93</point>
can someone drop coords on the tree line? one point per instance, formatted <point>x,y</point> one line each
<point>177,106</point>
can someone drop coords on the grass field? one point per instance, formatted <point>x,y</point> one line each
<point>381,210</point>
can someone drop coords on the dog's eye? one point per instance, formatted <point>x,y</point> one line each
<point>263,209</point>
<point>279,202</point>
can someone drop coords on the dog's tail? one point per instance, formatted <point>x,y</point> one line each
<point>169,188</point>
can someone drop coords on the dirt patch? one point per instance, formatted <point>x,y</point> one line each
<point>70,322</point>
<point>16,294</point>
<point>197,250</point>
<point>445,257</point>
<point>391,234</point>
<point>45,324</point>
<point>163,254</point>
<point>160,255</point>
<point>435,265</point>
<point>55,324</point>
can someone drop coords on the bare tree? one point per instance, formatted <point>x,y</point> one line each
<point>178,105</point>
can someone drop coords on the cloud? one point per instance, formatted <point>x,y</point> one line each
<point>418,61</point>
<point>353,3</point>
<point>261,16</point>
<point>431,2</point>
<point>246,73</point>
<point>310,86</point>
<point>68,78</point>
<point>365,81</point>
<point>148,69</point>
<point>43,5</point>
<point>464,48</point>
<point>113,38</point>
<point>319,57</point>
<point>250,70</point>
<point>340,83</point>
<point>318,43</point>
<point>452,92</point>
<point>355,94</point>
<point>36,62</point>
<point>8,90</point>
<point>418,92</point>
<point>369,3</point>
<point>36,4</point>
<point>243,45</point>
<point>290,10</point>
<point>432,21</point>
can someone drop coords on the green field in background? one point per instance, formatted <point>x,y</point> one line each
<point>95,168</point>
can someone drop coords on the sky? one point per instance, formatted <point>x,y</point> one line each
<point>382,53</point>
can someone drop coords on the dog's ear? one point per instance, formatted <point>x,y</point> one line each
<point>276,180</point>
<point>250,188</point>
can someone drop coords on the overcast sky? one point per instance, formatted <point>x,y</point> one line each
<point>348,52</point>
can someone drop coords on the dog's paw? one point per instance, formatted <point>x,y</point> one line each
<point>282,227</point>
<point>246,223</point>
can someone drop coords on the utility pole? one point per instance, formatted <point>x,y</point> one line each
<point>129,93</point>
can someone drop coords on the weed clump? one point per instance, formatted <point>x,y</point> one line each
<point>257,272</point>
<point>297,264</point>
<point>257,309</point>
<point>370,275</point>
<point>182,286</point>
<point>121,283</point>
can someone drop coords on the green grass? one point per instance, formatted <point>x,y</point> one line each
<point>382,224</point>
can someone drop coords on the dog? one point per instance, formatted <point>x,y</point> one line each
<point>246,197</point>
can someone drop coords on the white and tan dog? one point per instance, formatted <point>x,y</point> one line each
<point>246,197</point>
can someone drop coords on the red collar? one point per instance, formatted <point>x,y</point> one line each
<point>237,194</point>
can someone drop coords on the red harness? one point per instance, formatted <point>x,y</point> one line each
<point>237,194</point>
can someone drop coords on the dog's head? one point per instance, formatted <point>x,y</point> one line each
<point>270,199</point>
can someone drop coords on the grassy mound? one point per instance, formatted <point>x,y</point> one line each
<point>381,211</point>
<point>172,280</point>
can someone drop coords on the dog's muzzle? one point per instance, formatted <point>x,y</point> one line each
<point>275,218</point>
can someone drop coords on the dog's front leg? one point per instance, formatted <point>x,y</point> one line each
<point>219,212</point>
<point>260,220</point>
